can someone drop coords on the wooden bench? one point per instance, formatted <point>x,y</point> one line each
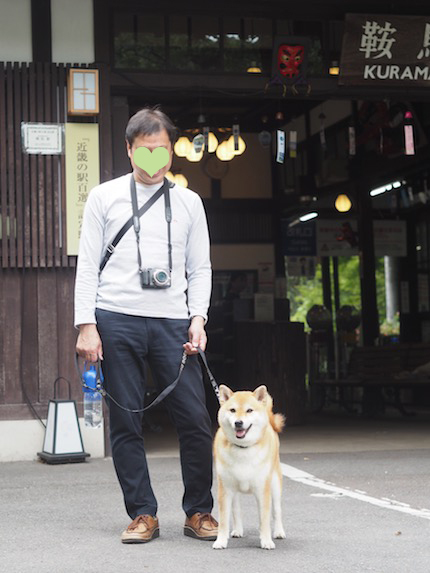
<point>381,372</point>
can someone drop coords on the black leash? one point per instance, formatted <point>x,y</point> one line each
<point>99,388</point>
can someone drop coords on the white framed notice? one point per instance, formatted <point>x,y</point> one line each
<point>42,138</point>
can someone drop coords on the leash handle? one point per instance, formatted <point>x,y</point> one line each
<point>161,396</point>
<point>99,376</point>
<point>210,375</point>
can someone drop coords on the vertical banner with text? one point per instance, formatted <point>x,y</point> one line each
<point>82,174</point>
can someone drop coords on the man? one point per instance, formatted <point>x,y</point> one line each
<point>129,322</point>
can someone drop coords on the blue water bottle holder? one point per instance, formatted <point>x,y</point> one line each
<point>91,378</point>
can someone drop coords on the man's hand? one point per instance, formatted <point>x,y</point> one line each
<point>89,344</point>
<point>196,336</point>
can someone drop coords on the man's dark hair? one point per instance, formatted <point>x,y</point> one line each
<point>148,121</point>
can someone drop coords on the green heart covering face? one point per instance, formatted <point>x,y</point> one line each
<point>151,162</point>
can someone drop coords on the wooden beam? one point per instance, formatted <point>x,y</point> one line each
<point>307,10</point>
<point>41,30</point>
<point>102,32</point>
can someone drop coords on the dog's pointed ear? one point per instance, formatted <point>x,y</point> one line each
<point>224,393</point>
<point>260,393</point>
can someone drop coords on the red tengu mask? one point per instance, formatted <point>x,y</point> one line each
<point>290,59</point>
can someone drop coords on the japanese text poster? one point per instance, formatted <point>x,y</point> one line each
<point>82,174</point>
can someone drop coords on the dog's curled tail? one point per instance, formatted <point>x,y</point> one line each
<point>277,421</point>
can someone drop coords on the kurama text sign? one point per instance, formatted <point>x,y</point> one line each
<point>82,174</point>
<point>385,50</point>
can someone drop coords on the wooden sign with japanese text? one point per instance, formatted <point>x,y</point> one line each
<point>82,174</point>
<point>385,50</point>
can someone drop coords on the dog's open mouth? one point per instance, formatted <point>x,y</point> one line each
<point>242,432</point>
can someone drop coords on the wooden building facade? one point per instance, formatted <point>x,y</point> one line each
<point>244,208</point>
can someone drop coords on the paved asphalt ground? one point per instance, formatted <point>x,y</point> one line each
<point>364,508</point>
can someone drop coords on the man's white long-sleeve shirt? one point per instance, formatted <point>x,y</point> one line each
<point>118,287</point>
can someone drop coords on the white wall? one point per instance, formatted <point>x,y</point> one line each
<point>72,31</point>
<point>28,437</point>
<point>15,31</point>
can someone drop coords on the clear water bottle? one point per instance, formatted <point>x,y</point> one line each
<point>93,411</point>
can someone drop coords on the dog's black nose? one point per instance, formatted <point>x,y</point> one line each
<point>238,424</point>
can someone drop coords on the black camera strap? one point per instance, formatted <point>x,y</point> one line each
<point>164,189</point>
<point>136,220</point>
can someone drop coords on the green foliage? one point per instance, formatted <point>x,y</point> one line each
<point>305,292</point>
<point>391,327</point>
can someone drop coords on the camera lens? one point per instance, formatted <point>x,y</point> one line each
<point>161,277</point>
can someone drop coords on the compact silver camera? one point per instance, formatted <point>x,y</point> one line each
<point>155,278</point>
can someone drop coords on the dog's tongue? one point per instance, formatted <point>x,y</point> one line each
<point>240,433</point>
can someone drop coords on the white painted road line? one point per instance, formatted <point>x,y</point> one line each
<point>305,478</point>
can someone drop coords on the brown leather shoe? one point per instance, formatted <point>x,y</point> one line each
<point>201,526</point>
<point>141,530</point>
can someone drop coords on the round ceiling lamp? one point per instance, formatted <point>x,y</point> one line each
<point>343,203</point>
<point>212,142</point>
<point>193,156</point>
<point>242,145</point>
<point>181,180</point>
<point>182,146</point>
<point>178,179</point>
<point>223,152</point>
<point>334,68</point>
<point>254,68</point>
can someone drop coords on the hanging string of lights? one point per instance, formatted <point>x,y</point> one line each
<point>193,150</point>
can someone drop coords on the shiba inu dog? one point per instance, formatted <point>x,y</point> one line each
<point>246,450</point>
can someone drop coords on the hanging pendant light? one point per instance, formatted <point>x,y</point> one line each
<point>343,203</point>
<point>242,145</point>
<point>181,180</point>
<point>224,152</point>
<point>253,68</point>
<point>171,177</point>
<point>334,68</point>
<point>182,146</point>
<point>212,142</point>
<point>193,156</point>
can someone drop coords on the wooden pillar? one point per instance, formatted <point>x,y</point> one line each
<point>326,282</point>
<point>120,117</point>
<point>102,31</point>
<point>105,125</point>
<point>326,285</point>
<point>369,305</point>
<point>336,283</point>
<point>278,184</point>
<point>41,30</point>
<point>410,327</point>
